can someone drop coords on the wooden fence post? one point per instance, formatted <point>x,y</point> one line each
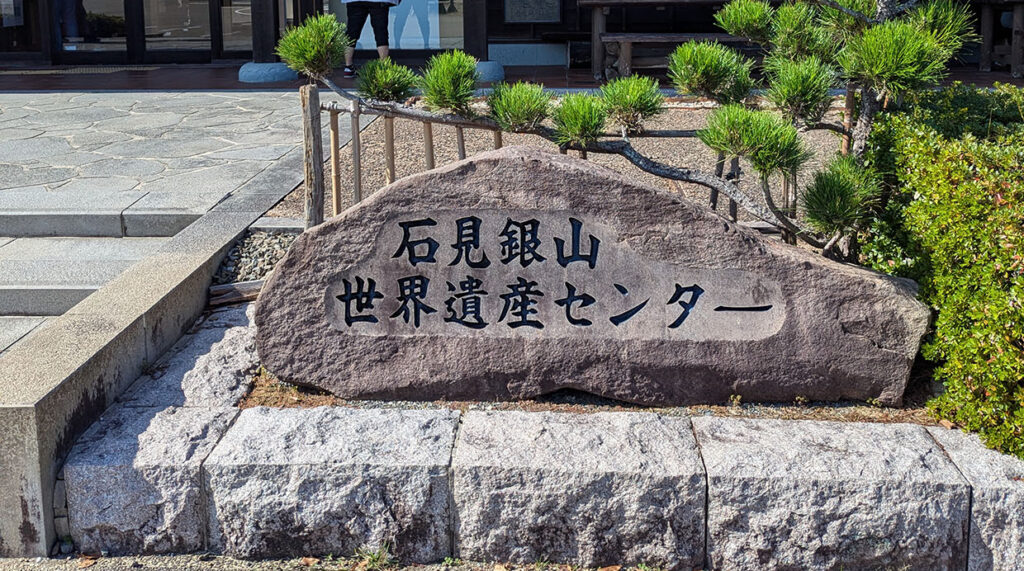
<point>734,173</point>
<point>389,149</point>
<point>313,155</point>
<point>357,183</point>
<point>335,169</point>
<point>497,140</point>
<point>460,140</point>
<point>428,144</point>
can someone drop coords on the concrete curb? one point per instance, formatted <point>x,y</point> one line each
<point>56,382</point>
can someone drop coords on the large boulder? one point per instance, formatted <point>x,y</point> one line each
<point>520,272</point>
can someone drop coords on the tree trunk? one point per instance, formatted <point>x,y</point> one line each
<point>734,176</point>
<point>869,106</point>
<point>719,171</point>
<point>850,108</point>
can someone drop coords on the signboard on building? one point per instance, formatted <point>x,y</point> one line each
<point>533,11</point>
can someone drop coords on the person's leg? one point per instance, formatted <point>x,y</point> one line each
<point>401,13</point>
<point>379,22</point>
<point>357,13</point>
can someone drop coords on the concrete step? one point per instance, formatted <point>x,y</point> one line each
<point>48,276</point>
<point>98,214</point>
<point>16,328</point>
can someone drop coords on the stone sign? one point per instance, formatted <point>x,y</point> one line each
<point>519,272</point>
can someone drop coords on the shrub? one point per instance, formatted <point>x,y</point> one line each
<point>710,70</point>
<point>520,106</point>
<point>579,120</point>
<point>770,143</point>
<point>894,57</point>
<point>800,88</point>
<point>839,198</point>
<point>315,48</point>
<point>449,81</point>
<point>751,19</point>
<point>953,112</point>
<point>954,223</point>
<point>630,100</point>
<point>966,213</point>
<point>384,80</point>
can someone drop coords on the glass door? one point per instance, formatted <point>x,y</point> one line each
<point>133,31</point>
<point>19,26</point>
<point>176,25</point>
<point>91,26</point>
<point>235,29</point>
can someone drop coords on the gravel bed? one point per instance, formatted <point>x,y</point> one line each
<point>254,256</point>
<point>268,391</point>
<point>678,152</point>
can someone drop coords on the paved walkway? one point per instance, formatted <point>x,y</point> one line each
<point>91,182</point>
<point>133,164</point>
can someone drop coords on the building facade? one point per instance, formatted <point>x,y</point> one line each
<point>513,32</point>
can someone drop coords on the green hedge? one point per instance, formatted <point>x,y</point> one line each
<point>955,222</point>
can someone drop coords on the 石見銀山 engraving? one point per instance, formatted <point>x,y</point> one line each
<point>501,273</point>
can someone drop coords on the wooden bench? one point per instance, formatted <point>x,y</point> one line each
<point>619,49</point>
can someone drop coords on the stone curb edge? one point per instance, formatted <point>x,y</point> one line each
<point>54,383</point>
<point>566,475</point>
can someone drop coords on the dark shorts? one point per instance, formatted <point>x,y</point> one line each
<point>378,14</point>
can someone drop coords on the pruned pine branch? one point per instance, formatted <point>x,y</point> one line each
<point>901,8</point>
<point>694,176</point>
<point>620,147</point>
<point>825,126</point>
<point>852,13</point>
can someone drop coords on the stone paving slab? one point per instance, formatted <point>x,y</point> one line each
<point>290,482</point>
<point>813,495</point>
<point>13,328</point>
<point>586,489</point>
<point>133,480</point>
<point>211,366</point>
<point>997,500</point>
<point>75,162</point>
